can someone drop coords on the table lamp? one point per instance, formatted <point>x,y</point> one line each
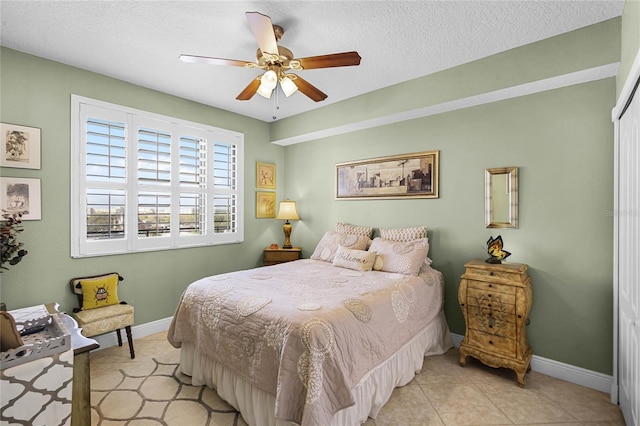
<point>287,211</point>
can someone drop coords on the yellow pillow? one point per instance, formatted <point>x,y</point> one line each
<point>99,292</point>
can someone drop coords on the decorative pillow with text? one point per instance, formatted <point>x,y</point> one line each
<point>358,260</point>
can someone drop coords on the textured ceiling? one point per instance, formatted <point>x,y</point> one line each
<point>140,41</point>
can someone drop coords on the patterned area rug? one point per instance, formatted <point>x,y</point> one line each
<point>164,397</point>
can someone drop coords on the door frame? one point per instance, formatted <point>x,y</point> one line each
<point>632,80</point>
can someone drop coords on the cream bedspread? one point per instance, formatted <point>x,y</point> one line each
<point>305,331</point>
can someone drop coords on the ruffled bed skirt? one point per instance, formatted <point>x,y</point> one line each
<point>371,393</point>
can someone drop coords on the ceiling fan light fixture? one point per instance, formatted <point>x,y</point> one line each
<point>268,82</point>
<point>269,79</point>
<point>264,91</point>
<point>288,86</point>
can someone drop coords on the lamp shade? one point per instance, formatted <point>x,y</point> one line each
<point>264,91</point>
<point>268,82</point>
<point>269,79</point>
<point>288,86</point>
<point>288,211</point>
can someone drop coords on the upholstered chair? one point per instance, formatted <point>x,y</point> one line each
<point>101,311</point>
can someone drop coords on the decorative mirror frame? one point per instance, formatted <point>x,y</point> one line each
<point>512,190</point>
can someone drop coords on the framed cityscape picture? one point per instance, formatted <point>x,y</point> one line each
<point>399,176</point>
<point>19,146</point>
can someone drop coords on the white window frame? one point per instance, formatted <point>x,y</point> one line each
<point>81,246</point>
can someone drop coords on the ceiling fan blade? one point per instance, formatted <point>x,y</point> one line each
<point>212,61</point>
<point>345,59</point>
<point>262,29</point>
<point>249,91</point>
<point>308,89</point>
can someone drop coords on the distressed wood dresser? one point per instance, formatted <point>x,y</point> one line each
<point>496,300</point>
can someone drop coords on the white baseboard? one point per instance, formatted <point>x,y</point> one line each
<point>559,370</point>
<point>456,339</point>
<point>562,371</point>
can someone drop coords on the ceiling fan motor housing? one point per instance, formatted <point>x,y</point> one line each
<point>284,55</point>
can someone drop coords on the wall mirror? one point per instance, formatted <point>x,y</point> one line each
<point>501,197</point>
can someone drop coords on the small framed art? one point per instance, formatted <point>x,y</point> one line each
<point>19,146</point>
<point>265,175</point>
<point>21,195</point>
<point>265,205</point>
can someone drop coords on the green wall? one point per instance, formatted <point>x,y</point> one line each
<point>562,141</point>
<point>36,92</point>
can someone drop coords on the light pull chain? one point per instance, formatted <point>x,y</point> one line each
<point>276,103</point>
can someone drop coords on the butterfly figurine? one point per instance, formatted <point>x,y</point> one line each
<point>494,248</point>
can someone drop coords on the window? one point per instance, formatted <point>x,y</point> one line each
<point>141,181</point>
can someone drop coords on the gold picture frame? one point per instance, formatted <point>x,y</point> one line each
<point>265,205</point>
<point>19,146</point>
<point>412,175</point>
<point>265,175</point>
<point>501,197</point>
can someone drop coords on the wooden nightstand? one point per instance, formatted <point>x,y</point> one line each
<point>495,301</point>
<point>280,255</point>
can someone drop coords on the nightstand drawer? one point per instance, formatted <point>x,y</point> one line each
<point>505,272</point>
<point>492,287</point>
<point>492,322</point>
<point>492,343</point>
<point>490,299</point>
<point>274,256</point>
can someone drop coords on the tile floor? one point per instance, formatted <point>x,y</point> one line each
<point>442,394</point>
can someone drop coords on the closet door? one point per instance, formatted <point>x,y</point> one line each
<point>627,264</point>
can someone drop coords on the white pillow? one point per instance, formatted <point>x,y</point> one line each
<point>403,257</point>
<point>358,260</point>
<point>345,228</point>
<point>404,234</point>
<point>328,245</point>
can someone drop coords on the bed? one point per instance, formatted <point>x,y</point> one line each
<point>319,341</point>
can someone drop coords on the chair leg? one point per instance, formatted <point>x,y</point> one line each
<point>130,339</point>
<point>119,337</point>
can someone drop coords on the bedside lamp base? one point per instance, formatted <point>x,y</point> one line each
<point>287,235</point>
